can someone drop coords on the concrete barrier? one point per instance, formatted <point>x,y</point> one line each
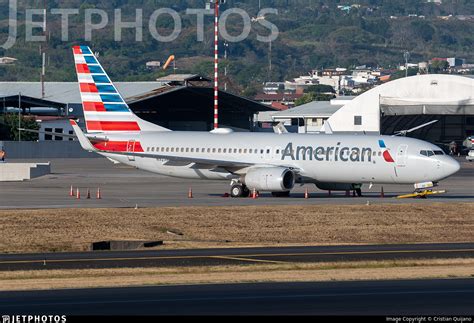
<point>124,245</point>
<point>44,150</point>
<point>14,172</point>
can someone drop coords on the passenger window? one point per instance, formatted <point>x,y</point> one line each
<point>219,150</point>
<point>213,150</point>
<point>277,151</point>
<point>187,150</point>
<point>172,149</point>
<point>240,151</point>
<point>380,153</point>
<point>245,151</point>
<point>167,149</point>
<point>261,151</point>
<point>192,150</point>
<point>375,153</point>
<point>208,150</point>
<point>268,151</point>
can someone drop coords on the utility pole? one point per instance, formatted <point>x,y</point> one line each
<point>406,55</point>
<point>19,116</point>
<point>270,62</point>
<point>226,45</point>
<point>43,53</point>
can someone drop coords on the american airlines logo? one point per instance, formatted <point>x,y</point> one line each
<point>335,153</point>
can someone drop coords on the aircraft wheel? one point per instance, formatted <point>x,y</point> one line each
<point>237,191</point>
<point>246,192</point>
<point>359,192</point>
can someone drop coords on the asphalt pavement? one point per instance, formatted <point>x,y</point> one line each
<point>232,256</point>
<point>402,297</point>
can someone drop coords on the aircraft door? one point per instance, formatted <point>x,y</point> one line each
<point>131,149</point>
<point>402,155</point>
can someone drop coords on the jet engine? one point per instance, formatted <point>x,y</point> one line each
<point>274,179</point>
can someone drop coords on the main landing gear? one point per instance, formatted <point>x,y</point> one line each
<point>239,190</point>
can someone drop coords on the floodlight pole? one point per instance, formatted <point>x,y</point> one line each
<point>216,64</point>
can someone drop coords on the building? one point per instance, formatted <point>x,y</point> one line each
<point>177,102</point>
<point>408,102</point>
<point>394,106</point>
<point>306,118</point>
<point>7,60</point>
<point>281,98</point>
<point>153,64</point>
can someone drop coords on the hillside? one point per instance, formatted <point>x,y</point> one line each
<point>313,34</point>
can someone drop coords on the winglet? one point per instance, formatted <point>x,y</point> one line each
<point>85,143</point>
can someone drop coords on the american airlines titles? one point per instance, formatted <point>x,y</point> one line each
<point>343,154</point>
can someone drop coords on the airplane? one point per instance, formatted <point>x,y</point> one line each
<point>269,162</point>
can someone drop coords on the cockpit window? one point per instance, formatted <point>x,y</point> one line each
<point>430,153</point>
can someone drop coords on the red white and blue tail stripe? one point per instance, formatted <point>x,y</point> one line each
<point>104,108</point>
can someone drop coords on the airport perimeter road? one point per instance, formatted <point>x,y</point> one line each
<point>219,257</point>
<point>123,186</point>
<point>415,297</point>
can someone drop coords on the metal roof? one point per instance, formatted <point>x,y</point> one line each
<point>68,92</point>
<point>310,110</point>
<point>182,78</point>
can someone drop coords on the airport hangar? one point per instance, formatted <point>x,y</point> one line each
<point>397,105</point>
<point>177,102</point>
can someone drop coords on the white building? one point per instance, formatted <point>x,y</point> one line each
<point>7,60</point>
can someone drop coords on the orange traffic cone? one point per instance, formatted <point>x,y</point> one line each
<point>78,195</point>
<point>254,194</point>
<point>88,194</point>
<point>99,194</point>
<point>71,192</point>
<point>306,194</point>
<point>190,193</point>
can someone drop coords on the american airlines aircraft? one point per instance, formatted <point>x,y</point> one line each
<point>250,161</point>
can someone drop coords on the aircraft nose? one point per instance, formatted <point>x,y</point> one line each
<point>451,166</point>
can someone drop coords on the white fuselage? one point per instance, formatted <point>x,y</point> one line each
<point>315,158</point>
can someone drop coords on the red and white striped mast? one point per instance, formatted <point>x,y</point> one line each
<point>216,64</point>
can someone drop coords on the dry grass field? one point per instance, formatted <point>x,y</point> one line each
<point>75,229</point>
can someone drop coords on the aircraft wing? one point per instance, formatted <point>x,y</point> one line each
<point>205,162</point>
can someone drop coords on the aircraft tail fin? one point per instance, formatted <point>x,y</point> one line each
<point>105,110</point>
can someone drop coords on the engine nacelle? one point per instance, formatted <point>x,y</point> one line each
<point>273,179</point>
